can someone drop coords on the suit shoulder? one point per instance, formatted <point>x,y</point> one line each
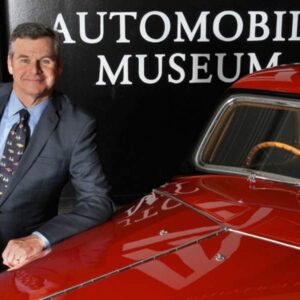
<point>5,88</point>
<point>6,85</point>
<point>71,110</point>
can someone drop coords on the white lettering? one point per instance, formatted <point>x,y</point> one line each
<point>239,26</point>
<point>254,65</point>
<point>196,67</point>
<point>176,68</point>
<point>166,22</point>
<point>199,68</point>
<point>220,65</point>
<point>295,26</point>
<point>183,188</point>
<point>279,23</point>
<point>166,204</point>
<point>201,25</point>
<point>113,77</point>
<point>122,24</point>
<point>255,24</point>
<point>61,27</point>
<point>82,28</point>
<point>141,60</point>
<point>149,200</point>
<point>146,214</point>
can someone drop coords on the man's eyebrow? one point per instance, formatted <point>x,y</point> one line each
<point>22,55</point>
<point>53,57</point>
<point>49,56</point>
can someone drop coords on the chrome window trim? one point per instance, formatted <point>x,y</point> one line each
<point>225,105</point>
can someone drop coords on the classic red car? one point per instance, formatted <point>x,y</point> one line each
<point>233,233</point>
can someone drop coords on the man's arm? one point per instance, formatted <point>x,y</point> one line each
<point>93,205</point>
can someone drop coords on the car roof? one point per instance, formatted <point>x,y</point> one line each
<point>281,79</point>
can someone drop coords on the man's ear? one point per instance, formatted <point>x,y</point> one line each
<point>9,64</point>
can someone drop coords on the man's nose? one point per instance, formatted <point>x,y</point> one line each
<point>35,67</point>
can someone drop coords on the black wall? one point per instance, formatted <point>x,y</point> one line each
<point>147,130</point>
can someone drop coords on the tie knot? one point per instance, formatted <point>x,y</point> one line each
<point>24,115</point>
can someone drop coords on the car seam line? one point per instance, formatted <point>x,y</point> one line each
<point>166,194</point>
<point>259,237</point>
<point>226,228</point>
<point>133,265</point>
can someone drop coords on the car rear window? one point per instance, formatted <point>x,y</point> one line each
<point>258,133</point>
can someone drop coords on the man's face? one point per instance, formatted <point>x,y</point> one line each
<point>35,69</point>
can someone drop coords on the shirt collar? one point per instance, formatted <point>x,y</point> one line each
<point>15,105</point>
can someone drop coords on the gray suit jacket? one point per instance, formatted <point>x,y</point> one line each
<point>61,148</point>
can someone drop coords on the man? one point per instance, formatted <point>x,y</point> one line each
<point>60,146</point>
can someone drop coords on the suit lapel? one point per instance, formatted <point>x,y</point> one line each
<point>5,92</point>
<point>2,106</point>
<point>44,128</point>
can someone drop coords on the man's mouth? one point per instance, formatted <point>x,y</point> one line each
<point>34,79</point>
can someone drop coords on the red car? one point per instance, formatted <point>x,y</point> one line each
<point>233,233</point>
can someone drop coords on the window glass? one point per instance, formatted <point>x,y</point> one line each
<point>258,134</point>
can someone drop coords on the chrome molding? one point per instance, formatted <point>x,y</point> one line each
<point>259,237</point>
<point>227,228</point>
<point>218,257</point>
<point>168,195</point>
<point>133,265</point>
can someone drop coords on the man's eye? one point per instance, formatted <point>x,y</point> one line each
<point>47,61</point>
<point>24,60</point>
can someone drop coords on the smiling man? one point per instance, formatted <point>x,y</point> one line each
<point>45,141</point>
<point>35,67</point>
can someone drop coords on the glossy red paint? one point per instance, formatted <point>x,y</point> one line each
<point>284,79</point>
<point>161,248</point>
<point>147,230</point>
<point>263,208</point>
<point>248,271</point>
<point>197,237</point>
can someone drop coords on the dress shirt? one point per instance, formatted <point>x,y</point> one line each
<point>10,117</point>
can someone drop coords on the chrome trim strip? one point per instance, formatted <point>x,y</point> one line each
<point>133,265</point>
<point>227,228</point>
<point>249,172</point>
<point>259,237</point>
<point>174,249</point>
<point>166,194</point>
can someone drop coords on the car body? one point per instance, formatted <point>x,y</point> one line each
<point>230,232</point>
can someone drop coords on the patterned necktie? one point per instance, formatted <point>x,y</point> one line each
<point>15,145</point>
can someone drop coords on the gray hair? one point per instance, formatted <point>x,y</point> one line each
<point>35,31</point>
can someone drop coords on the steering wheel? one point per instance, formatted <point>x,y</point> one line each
<point>269,144</point>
